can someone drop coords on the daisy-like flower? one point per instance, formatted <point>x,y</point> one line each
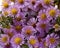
<point>42,26</point>
<point>28,30</point>
<point>32,22</point>
<point>35,5</point>
<point>47,3</point>
<point>56,27</point>
<point>8,46</point>
<point>5,12</point>
<point>14,10</point>
<point>17,28</point>
<point>52,40</point>
<point>43,44</point>
<point>19,19</point>
<point>5,4</point>
<point>10,32</point>
<point>17,40</point>
<point>42,16</point>
<point>4,39</point>
<point>32,41</point>
<point>52,13</point>
<point>21,3</point>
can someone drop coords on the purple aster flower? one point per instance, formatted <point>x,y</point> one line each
<point>33,5</point>
<point>32,22</point>
<point>52,13</point>
<point>5,8</point>
<point>4,39</point>
<point>42,26</point>
<point>10,32</point>
<point>8,46</point>
<point>21,3</point>
<point>47,3</point>
<point>43,44</point>
<point>19,19</point>
<point>17,28</point>
<point>42,16</point>
<point>14,10</point>
<point>56,27</point>
<point>28,30</point>
<point>5,12</point>
<point>52,40</point>
<point>17,40</point>
<point>33,42</point>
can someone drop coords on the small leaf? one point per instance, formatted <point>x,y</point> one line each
<point>24,46</point>
<point>58,20</point>
<point>10,19</point>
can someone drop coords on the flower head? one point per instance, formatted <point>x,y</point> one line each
<point>52,13</point>
<point>17,39</point>
<point>52,40</point>
<point>28,30</point>
<point>33,41</point>
<point>4,40</point>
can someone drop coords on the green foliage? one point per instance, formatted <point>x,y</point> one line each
<point>24,46</point>
<point>58,20</point>
<point>6,21</point>
<point>10,19</point>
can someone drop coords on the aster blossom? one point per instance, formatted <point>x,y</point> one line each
<point>29,24</point>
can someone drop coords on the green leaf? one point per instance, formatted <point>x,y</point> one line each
<point>24,46</point>
<point>3,24</point>
<point>58,20</point>
<point>10,19</point>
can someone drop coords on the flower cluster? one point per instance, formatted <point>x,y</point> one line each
<point>29,24</point>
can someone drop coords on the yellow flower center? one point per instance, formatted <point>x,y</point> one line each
<point>21,1</point>
<point>18,18</point>
<point>18,27</point>
<point>32,41</point>
<point>56,26</point>
<point>14,11</point>
<point>5,13</point>
<point>28,31</point>
<point>4,39</point>
<point>47,2</point>
<point>5,4</point>
<point>52,40</point>
<point>17,40</point>
<point>52,12</point>
<point>44,43</point>
<point>43,16</point>
<point>10,34</point>
<point>43,26</point>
